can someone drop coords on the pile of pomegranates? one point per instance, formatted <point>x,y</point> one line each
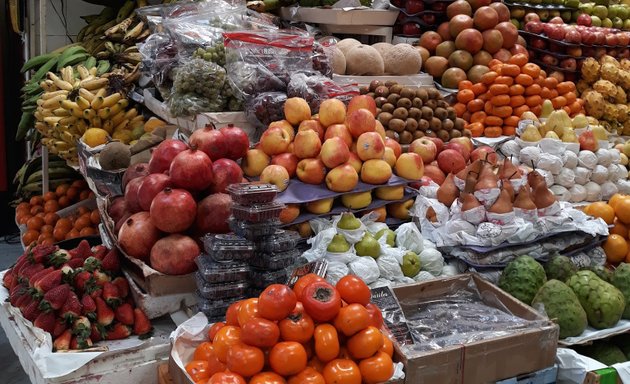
<point>177,197</point>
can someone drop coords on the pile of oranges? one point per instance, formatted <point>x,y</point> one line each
<point>616,213</point>
<point>493,106</point>
<point>43,224</point>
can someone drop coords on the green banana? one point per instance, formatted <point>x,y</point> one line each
<point>43,70</point>
<point>90,62</point>
<point>125,11</point>
<point>37,61</point>
<point>26,123</point>
<point>74,59</point>
<point>37,187</point>
<point>70,52</point>
<point>53,174</point>
<point>103,67</point>
<point>31,100</point>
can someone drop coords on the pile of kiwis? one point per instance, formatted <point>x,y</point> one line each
<point>411,113</point>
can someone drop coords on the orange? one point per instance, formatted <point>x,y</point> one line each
<point>615,199</point>
<point>616,249</point>
<point>602,210</point>
<point>622,210</point>
<point>628,257</point>
<point>619,229</point>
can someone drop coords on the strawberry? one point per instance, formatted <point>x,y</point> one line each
<point>104,314</point>
<point>55,298</point>
<point>89,307</point>
<point>80,343</point>
<point>82,327</point>
<point>36,277</point>
<point>9,279</point>
<point>71,309</point>
<point>16,292</point>
<point>119,331</point>
<point>124,314</point>
<point>60,327</point>
<point>24,302</point>
<point>19,263</point>
<point>99,251</point>
<point>98,332</point>
<point>39,253</point>
<point>62,342</point>
<point>101,278</point>
<point>31,311</point>
<point>45,321</point>
<point>60,257</point>
<point>74,263</point>
<point>111,261</point>
<point>123,286</point>
<point>83,281</point>
<point>111,295</point>
<point>82,251</point>
<point>29,271</point>
<point>48,282</point>
<point>97,292</point>
<point>142,325</point>
<point>92,264</point>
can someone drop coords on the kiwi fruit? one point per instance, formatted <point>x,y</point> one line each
<point>467,133</point>
<point>381,91</point>
<point>364,89</point>
<point>459,124</point>
<point>393,98</point>
<point>455,133</point>
<point>422,94</point>
<point>423,125</point>
<point>411,125</point>
<point>427,113</point>
<point>450,113</point>
<point>392,134</point>
<point>371,94</point>
<point>388,107</point>
<point>115,155</point>
<point>415,113</point>
<point>401,113</point>
<point>440,113</point>
<point>447,124</point>
<point>397,125</point>
<point>408,93</point>
<point>405,137</point>
<point>375,84</point>
<point>443,135</point>
<point>442,103</point>
<point>396,88</point>
<point>384,118</point>
<point>404,102</point>
<point>417,102</point>
<point>378,111</point>
<point>435,124</point>
<point>390,83</point>
<point>418,135</point>
<point>430,133</point>
<point>433,93</point>
<point>431,104</point>
<point>380,101</point>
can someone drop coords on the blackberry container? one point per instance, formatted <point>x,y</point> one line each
<point>227,248</point>
<point>261,278</point>
<point>257,213</point>
<point>215,309</point>
<point>253,231</point>
<point>215,272</point>
<point>274,261</point>
<point>280,241</point>
<point>221,290</point>
<point>249,193</point>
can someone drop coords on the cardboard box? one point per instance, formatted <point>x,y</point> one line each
<point>544,376</point>
<point>603,376</point>
<point>156,306</point>
<point>486,361</point>
<point>350,16</point>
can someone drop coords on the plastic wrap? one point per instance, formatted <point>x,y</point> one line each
<point>608,190</point>
<point>408,237</point>
<point>315,88</point>
<point>561,192</point>
<point>566,178</point>
<point>365,268</point>
<point>600,174</point>
<point>197,88</point>
<point>265,108</point>
<point>159,59</point>
<point>551,163</point>
<point>623,186</point>
<point>617,172</point>
<point>587,159</point>
<point>578,193</point>
<point>582,175</point>
<point>431,260</point>
<point>389,264</point>
<point>569,159</point>
<point>593,191</point>
<point>336,270</point>
<point>604,156</point>
<point>529,155</point>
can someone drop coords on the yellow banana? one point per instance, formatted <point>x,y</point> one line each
<point>122,125</point>
<point>82,102</point>
<point>132,113</point>
<point>68,120</point>
<point>138,118</point>
<point>41,127</point>
<point>54,102</point>
<point>135,124</point>
<point>93,71</point>
<point>83,72</point>
<point>96,122</point>
<point>82,126</point>
<point>110,100</point>
<point>67,137</point>
<point>97,102</point>
<point>77,112</point>
<point>101,92</point>
<point>87,95</point>
<point>67,104</point>
<point>104,112</point>
<point>61,84</point>
<point>61,112</point>
<point>118,118</point>
<point>93,84</point>
<point>52,120</point>
<point>67,74</point>
<point>108,125</point>
<point>61,145</point>
<point>89,113</point>
<point>50,95</point>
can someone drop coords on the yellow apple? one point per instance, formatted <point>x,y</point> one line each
<point>465,141</point>
<point>380,129</point>
<point>370,145</point>
<point>306,144</point>
<point>356,200</point>
<point>393,144</point>
<point>363,101</point>
<point>360,121</point>
<point>275,141</point>
<point>396,192</point>
<point>319,207</point>
<point>276,175</point>
<point>400,210</point>
<point>311,171</point>
<point>305,230</point>
<point>355,162</point>
<point>296,109</point>
<point>334,152</point>
<point>254,162</point>
<point>284,125</point>
<point>410,166</point>
<point>339,130</point>
<point>289,213</point>
<point>312,125</point>
<point>375,171</point>
<point>389,157</point>
<point>342,178</point>
<point>332,111</point>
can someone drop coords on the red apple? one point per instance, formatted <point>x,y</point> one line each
<point>611,39</point>
<point>572,36</point>
<point>465,152</point>
<point>569,64</point>
<point>439,144</point>
<point>534,27</point>
<point>584,19</point>
<point>434,173</point>
<point>425,148</point>
<point>414,6</point>
<point>393,144</point>
<point>556,20</point>
<point>451,161</point>
<point>484,152</point>
<point>288,160</point>
<point>531,16</point>
<point>363,101</point>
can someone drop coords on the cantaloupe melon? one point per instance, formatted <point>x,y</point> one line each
<point>346,45</point>
<point>364,60</point>
<point>402,59</point>
<point>337,60</point>
<point>382,48</point>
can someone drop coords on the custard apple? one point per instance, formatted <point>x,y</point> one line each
<point>522,278</point>
<point>562,306</point>
<point>560,268</point>
<point>604,352</point>
<point>621,280</point>
<point>602,272</point>
<point>604,304</point>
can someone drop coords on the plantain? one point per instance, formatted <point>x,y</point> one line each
<point>26,123</point>
<point>37,61</point>
<point>43,70</point>
<point>125,10</point>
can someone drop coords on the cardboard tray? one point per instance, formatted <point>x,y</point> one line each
<point>156,306</point>
<point>486,361</point>
<point>346,16</point>
<point>421,80</point>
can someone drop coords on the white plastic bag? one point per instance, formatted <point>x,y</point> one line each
<point>388,265</point>
<point>578,193</point>
<point>319,243</point>
<point>336,271</point>
<point>593,191</point>
<point>511,148</point>
<point>587,159</point>
<point>408,237</point>
<point>566,178</point>
<point>623,186</point>
<point>569,159</point>
<point>604,157</point>
<point>561,192</point>
<point>550,163</point>
<point>617,172</point>
<point>582,175</point>
<point>431,260</point>
<point>366,268</point>
<point>608,190</point>
<point>424,276</point>
<point>600,174</point>
<point>529,155</point>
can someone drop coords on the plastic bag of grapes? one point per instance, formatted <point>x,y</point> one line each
<point>315,88</point>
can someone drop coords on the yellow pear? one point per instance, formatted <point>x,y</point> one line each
<point>547,109</point>
<point>580,121</point>
<point>552,135</point>
<point>531,134</point>
<point>529,115</point>
<point>599,132</point>
<point>569,136</point>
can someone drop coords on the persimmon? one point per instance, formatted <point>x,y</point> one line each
<point>479,88</point>
<point>518,111</point>
<point>493,131</point>
<point>516,90</point>
<point>493,120</point>
<point>512,70</point>
<point>499,89</point>
<point>616,248</point>
<point>531,69</point>
<point>503,111</point>
<point>465,95</point>
<point>459,108</point>
<point>559,102</point>
<point>476,129</point>
<point>487,107</point>
<point>509,130</point>
<point>478,117</point>
<point>487,78</point>
<point>511,121</point>
<point>533,101</point>
<point>500,100</point>
<point>533,89</point>
<point>524,80</point>
<point>565,87</point>
<point>551,82</point>
<point>473,106</point>
<point>507,80</point>
<point>571,97</point>
<point>545,93</point>
<point>517,101</point>
<point>466,84</point>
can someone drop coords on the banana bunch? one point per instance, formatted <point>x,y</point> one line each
<point>77,101</point>
<point>29,177</point>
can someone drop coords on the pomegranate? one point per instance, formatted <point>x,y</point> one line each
<point>131,194</point>
<point>164,154</point>
<point>117,208</point>
<point>173,210</point>
<point>210,141</point>
<point>151,186</point>
<point>191,170</point>
<point>174,255</point>
<point>137,236</point>
<point>120,222</point>
<point>136,170</point>
<point>237,141</point>
<point>225,172</point>
<point>213,213</point>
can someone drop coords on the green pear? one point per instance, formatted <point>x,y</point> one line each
<point>368,246</point>
<point>348,221</point>
<point>339,244</point>
<point>411,264</point>
<point>390,238</point>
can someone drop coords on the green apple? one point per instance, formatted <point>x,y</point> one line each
<point>626,25</point>
<point>338,244</point>
<point>411,264</point>
<point>607,23</point>
<point>566,16</point>
<point>368,246</point>
<point>600,11</point>
<point>390,236</point>
<point>348,221</point>
<point>586,8</point>
<point>543,14</point>
<point>554,13</point>
<point>596,21</point>
<point>612,11</point>
<point>517,13</point>
<point>617,23</point>
<point>572,3</point>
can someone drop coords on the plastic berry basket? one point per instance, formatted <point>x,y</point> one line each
<point>280,241</point>
<point>215,309</point>
<point>225,247</point>
<point>258,212</point>
<point>221,290</point>
<point>251,193</point>
<point>253,231</point>
<point>215,272</point>
<point>274,260</point>
<point>261,278</point>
